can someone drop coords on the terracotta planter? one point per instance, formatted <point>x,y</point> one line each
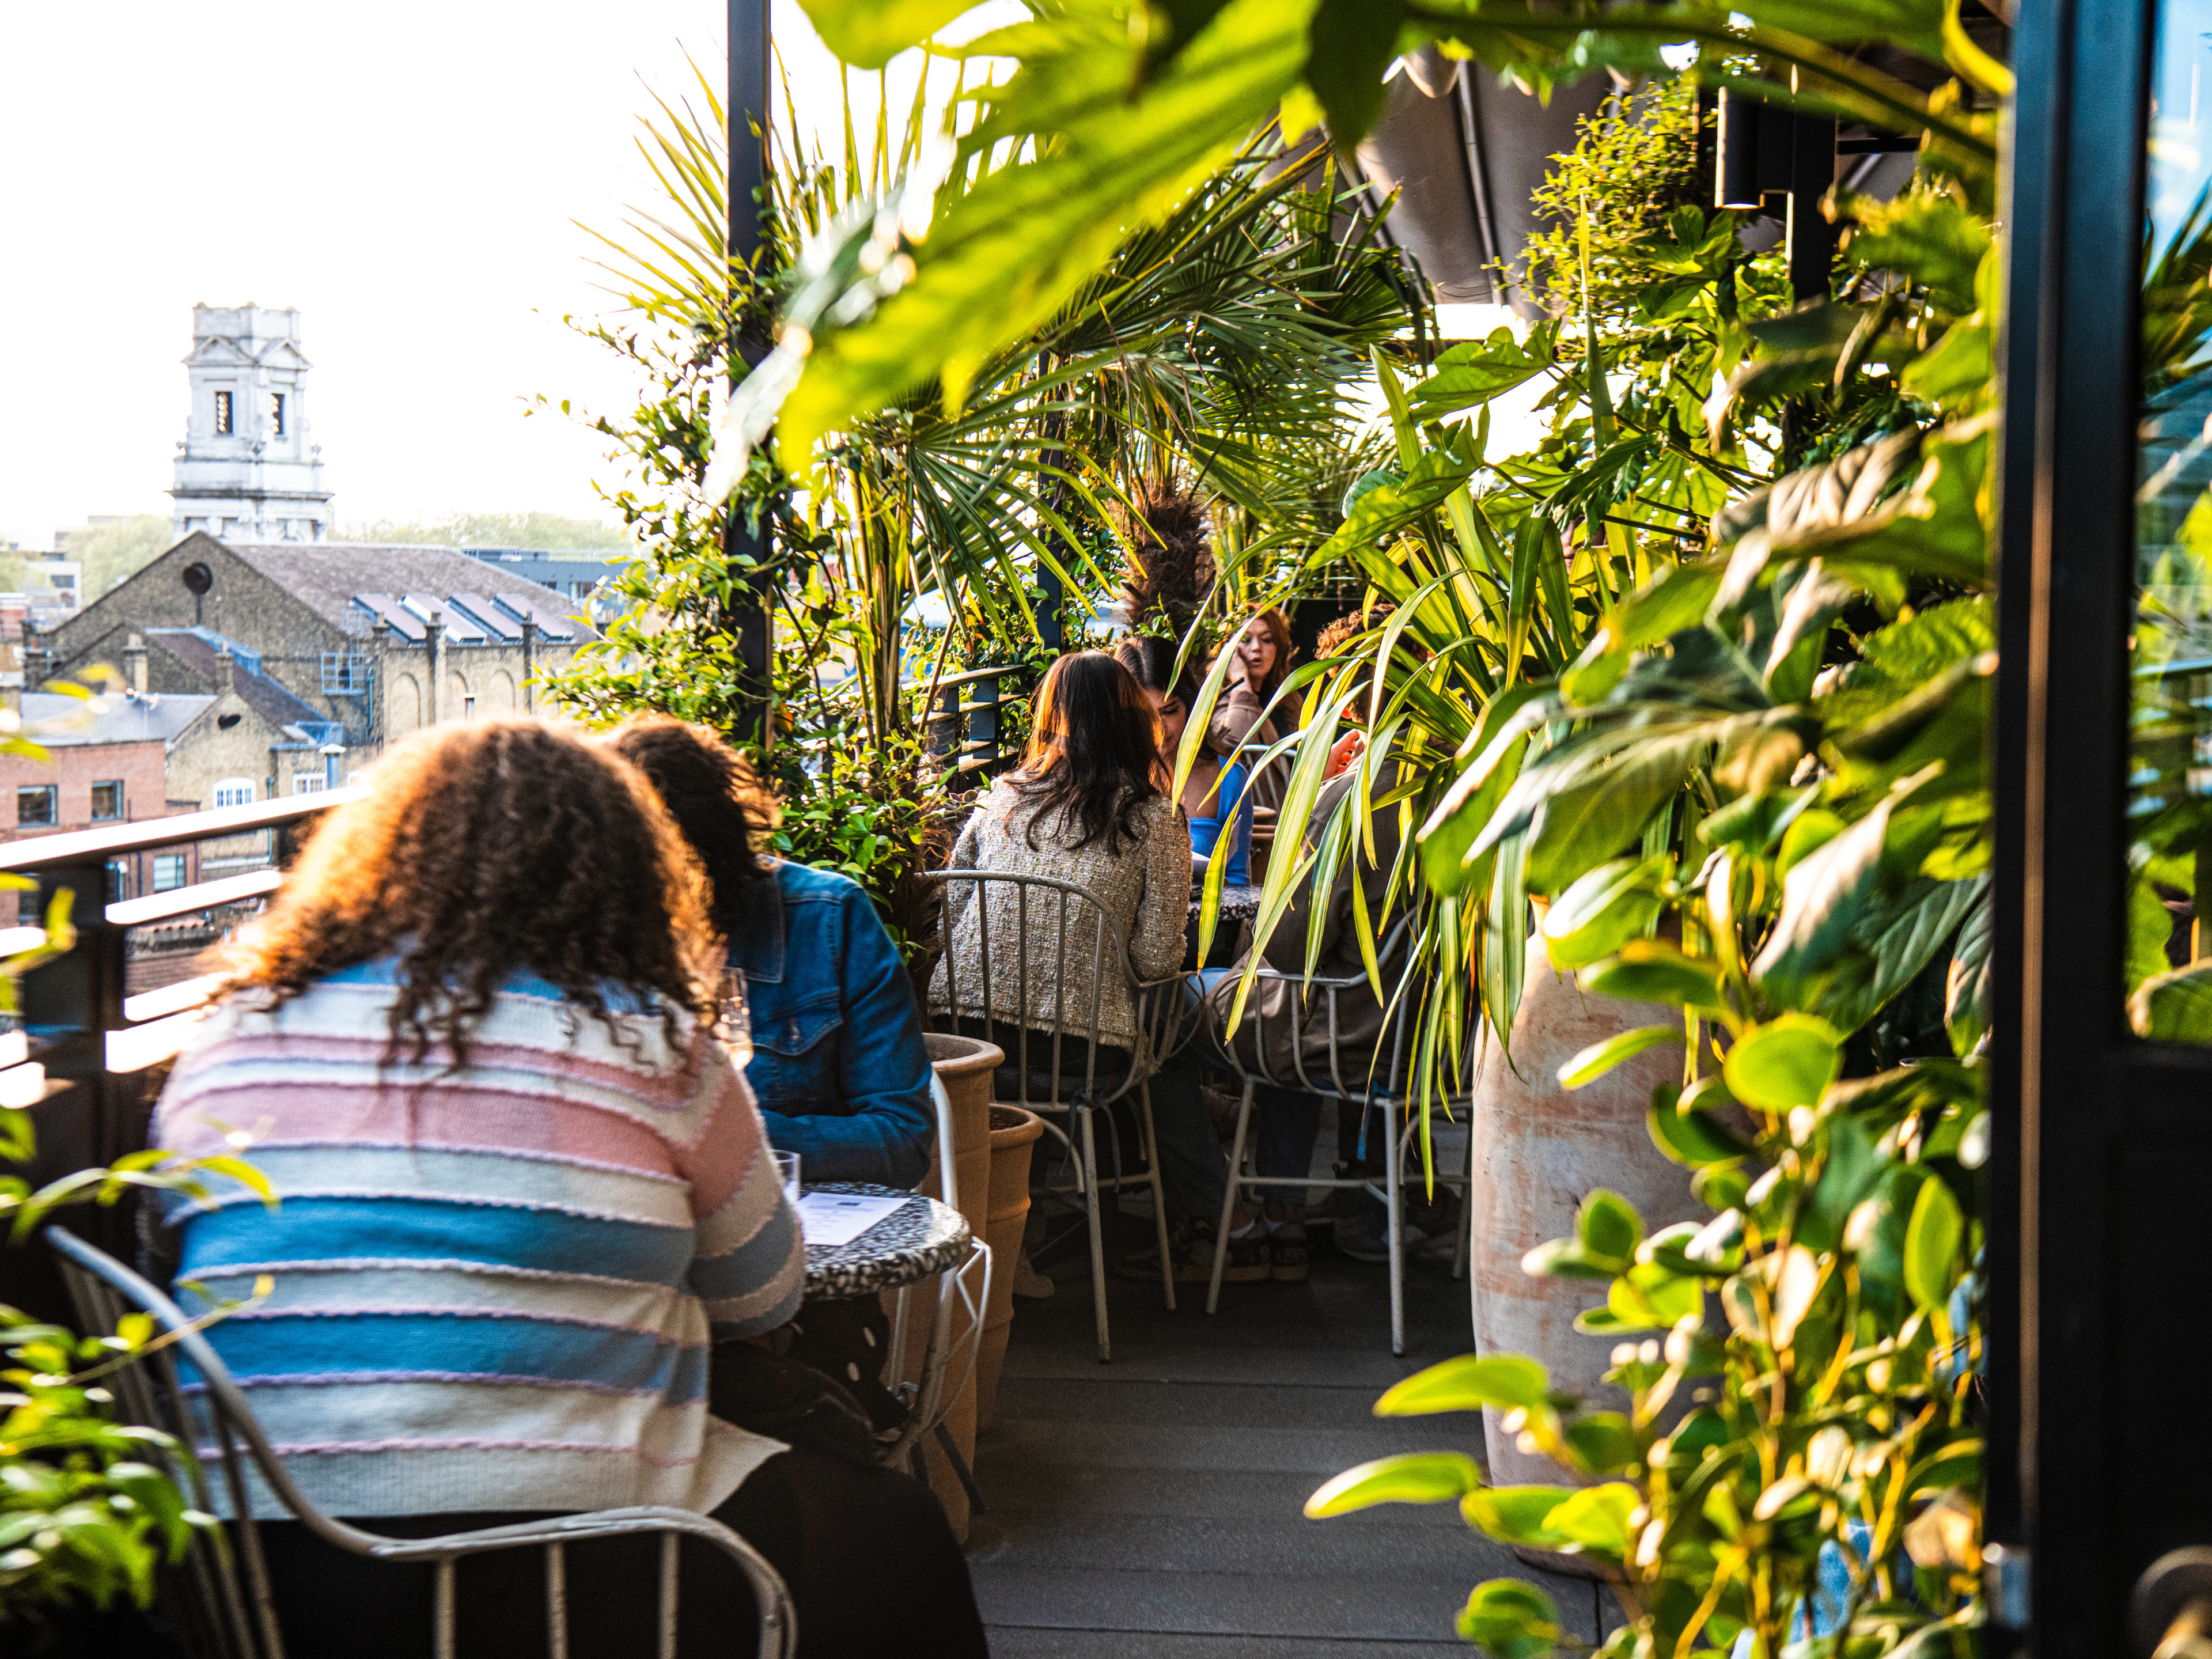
<point>1538,1150</point>
<point>965,1065</point>
<point>1014,1133</point>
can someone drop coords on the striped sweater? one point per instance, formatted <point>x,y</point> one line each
<point>495,1289</point>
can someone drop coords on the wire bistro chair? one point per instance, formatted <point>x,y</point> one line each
<point>239,1621</point>
<point>1375,1090</point>
<point>1055,923</point>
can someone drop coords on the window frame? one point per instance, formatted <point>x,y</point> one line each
<point>122,801</point>
<point>51,793</point>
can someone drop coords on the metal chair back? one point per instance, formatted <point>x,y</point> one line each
<point>1300,1045</point>
<point>217,1439</point>
<point>1062,934</point>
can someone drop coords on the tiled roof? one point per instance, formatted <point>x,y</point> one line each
<point>326,576</point>
<point>60,722</point>
<point>264,696</point>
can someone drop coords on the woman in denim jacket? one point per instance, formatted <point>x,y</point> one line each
<point>838,1067</point>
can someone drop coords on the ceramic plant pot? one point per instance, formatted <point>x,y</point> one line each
<point>965,1065</point>
<point>1014,1134</point>
<point>1539,1148</point>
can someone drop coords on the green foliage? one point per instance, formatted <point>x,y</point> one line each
<point>550,531</point>
<point>87,1508</point>
<point>86,1513</point>
<point>1212,350</point>
<point>1709,665</point>
<point>112,553</point>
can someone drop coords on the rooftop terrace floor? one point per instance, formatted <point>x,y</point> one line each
<point>1151,1507</point>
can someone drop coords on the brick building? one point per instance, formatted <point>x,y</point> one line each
<point>363,643</point>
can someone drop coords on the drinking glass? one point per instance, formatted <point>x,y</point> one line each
<point>787,1170</point>
<point>734,1025</point>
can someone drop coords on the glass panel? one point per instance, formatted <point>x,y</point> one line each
<point>2170,779</point>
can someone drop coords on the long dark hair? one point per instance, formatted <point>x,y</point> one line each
<point>1094,752</point>
<point>483,849</point>
<point>717,803</point>
<point>1153,660</point>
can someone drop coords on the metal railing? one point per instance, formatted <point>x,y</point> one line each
<point>82,1044</point>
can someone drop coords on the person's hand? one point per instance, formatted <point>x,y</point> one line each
<point>1347,749</point>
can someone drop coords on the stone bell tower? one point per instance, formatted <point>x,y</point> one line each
<point>246,470</point>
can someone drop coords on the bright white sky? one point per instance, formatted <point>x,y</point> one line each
<point>406,175</point>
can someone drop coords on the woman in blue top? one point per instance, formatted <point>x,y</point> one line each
<point>839,1066</point>
<point>1214,796</point>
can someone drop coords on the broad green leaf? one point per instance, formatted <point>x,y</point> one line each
<point>1647,970</point>
<point>869,33</point>
<point>2150,927</point>
<point>2175,1006</point>
<point>1608,1227</point>
<point>1476,371</point>
<point>1605,810</point>
<point>1468,1383</point>
<point>1511,1620</point>
<point>1002,256</point>
<point>1604,1440</point>
<point>1412,1478</point>
<point>1353,42</point>
<point>1786,1063</point>
<point>1924,235</point>
<point>1516,1514</point>
<point>1932,1242</point>
<point>1896,936</point>
<point>1604,909</point>
<point>1594,1062</point>
<point>1688,1136</point>
<point>1596,1519</point>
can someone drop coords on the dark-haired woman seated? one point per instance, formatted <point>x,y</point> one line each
<point>838,1067</point>
<point>524,1192</point>
<point>1088,805</point>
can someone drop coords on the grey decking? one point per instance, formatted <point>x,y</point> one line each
<point>1151,1507</point>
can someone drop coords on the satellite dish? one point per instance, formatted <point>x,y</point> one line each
<point>198,578</point>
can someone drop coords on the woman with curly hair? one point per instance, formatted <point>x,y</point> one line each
<point>523,1193</point>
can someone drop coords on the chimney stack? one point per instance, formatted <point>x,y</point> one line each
<point>224,663</point>
<point>134,665</point>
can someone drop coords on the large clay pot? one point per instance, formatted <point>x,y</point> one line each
<point>1538,1150</point>
<point>963,1065</point>
<point>1014,1133</point>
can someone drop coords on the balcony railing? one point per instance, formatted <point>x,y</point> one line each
<point>83,1043</point>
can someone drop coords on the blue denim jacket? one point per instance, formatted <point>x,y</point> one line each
<point>838,1066</point>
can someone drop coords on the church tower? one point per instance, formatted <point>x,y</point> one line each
<point>245,471</point>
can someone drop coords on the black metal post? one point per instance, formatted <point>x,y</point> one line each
<point>748,107</point>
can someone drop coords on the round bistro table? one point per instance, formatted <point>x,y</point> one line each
<point>917,1241</point>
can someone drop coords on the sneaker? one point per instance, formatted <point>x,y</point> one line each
<point>1286,1252</point>
<point>1029,1284</point>
<point>1248,1253</point>
<point>1365,1234</point>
